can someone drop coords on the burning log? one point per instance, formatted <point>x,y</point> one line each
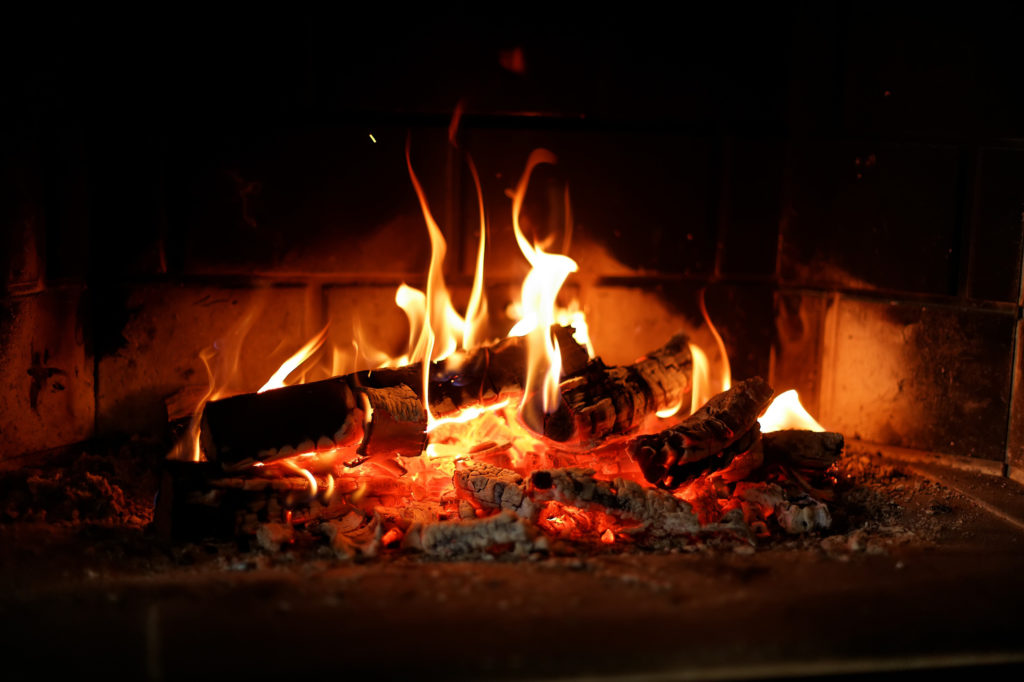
<point>605,402</point>
<point>674,456</point>
<point>658,512</point>
<point>328,414</point>
<point>813,450</point>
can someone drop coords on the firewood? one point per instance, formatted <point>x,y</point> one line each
<point>656,510</point>
<point>667,458</point>
<point>606,402</point>
<point>811,450</point>
<point>262,427</point>
<point>259,426</point>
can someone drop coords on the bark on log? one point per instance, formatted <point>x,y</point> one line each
<point>668,458</point>
<point>812,450</point>
<point>331,413</point>
<point>606,402</point>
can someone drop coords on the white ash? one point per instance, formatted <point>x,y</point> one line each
<point>354,535</point>
<point>802,515</point>
<point>489,487</point>
<point>473,537</point>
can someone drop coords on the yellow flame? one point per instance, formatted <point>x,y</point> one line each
<point>292,363</point>
<point>786,412</point>
<point>701,391</point>
<point>442,326</point>
<point>540,289</point>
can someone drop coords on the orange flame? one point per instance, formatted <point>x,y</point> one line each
<point>722,353</point>
<point>786,412</point>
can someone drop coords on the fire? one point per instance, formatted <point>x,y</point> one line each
<point>786,412</point>
<point>540,290</point>
<point>503,432</point>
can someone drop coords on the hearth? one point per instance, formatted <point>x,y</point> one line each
<point>821,201</point>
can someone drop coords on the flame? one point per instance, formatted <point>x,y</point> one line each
<point>476,309</point>
<point>701,391</point>
<point>608,537</point>
<point>726,369</point>
<point>540,289</point>
<point>292,363</point>
<point>442,325</point>
<point>786,412</point>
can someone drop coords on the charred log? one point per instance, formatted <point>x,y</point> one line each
<point>605,402</point>
<point>674,455</point>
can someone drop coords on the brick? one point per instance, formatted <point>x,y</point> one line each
<point>46,373</point>
<point>165,328</point>
<point>994,269</point>
<point>22,217</point>
<point>627,321</point>
<point>321,199</point>
<point>743,315</point>
<point>930,378</point>
<point>641,202</point>
<point>872,216</point>
<point>369,316</point>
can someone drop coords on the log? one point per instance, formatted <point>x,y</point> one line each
<point>812,450</point>
<point>370,412</point>
<point>608,402</point>
<point>667,458</point>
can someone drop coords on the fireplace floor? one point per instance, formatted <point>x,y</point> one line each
<point>931,580</point>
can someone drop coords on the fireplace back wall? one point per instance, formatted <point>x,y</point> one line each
<point>847,185</point>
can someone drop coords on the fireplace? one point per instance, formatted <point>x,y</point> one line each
<point>843,186</point>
